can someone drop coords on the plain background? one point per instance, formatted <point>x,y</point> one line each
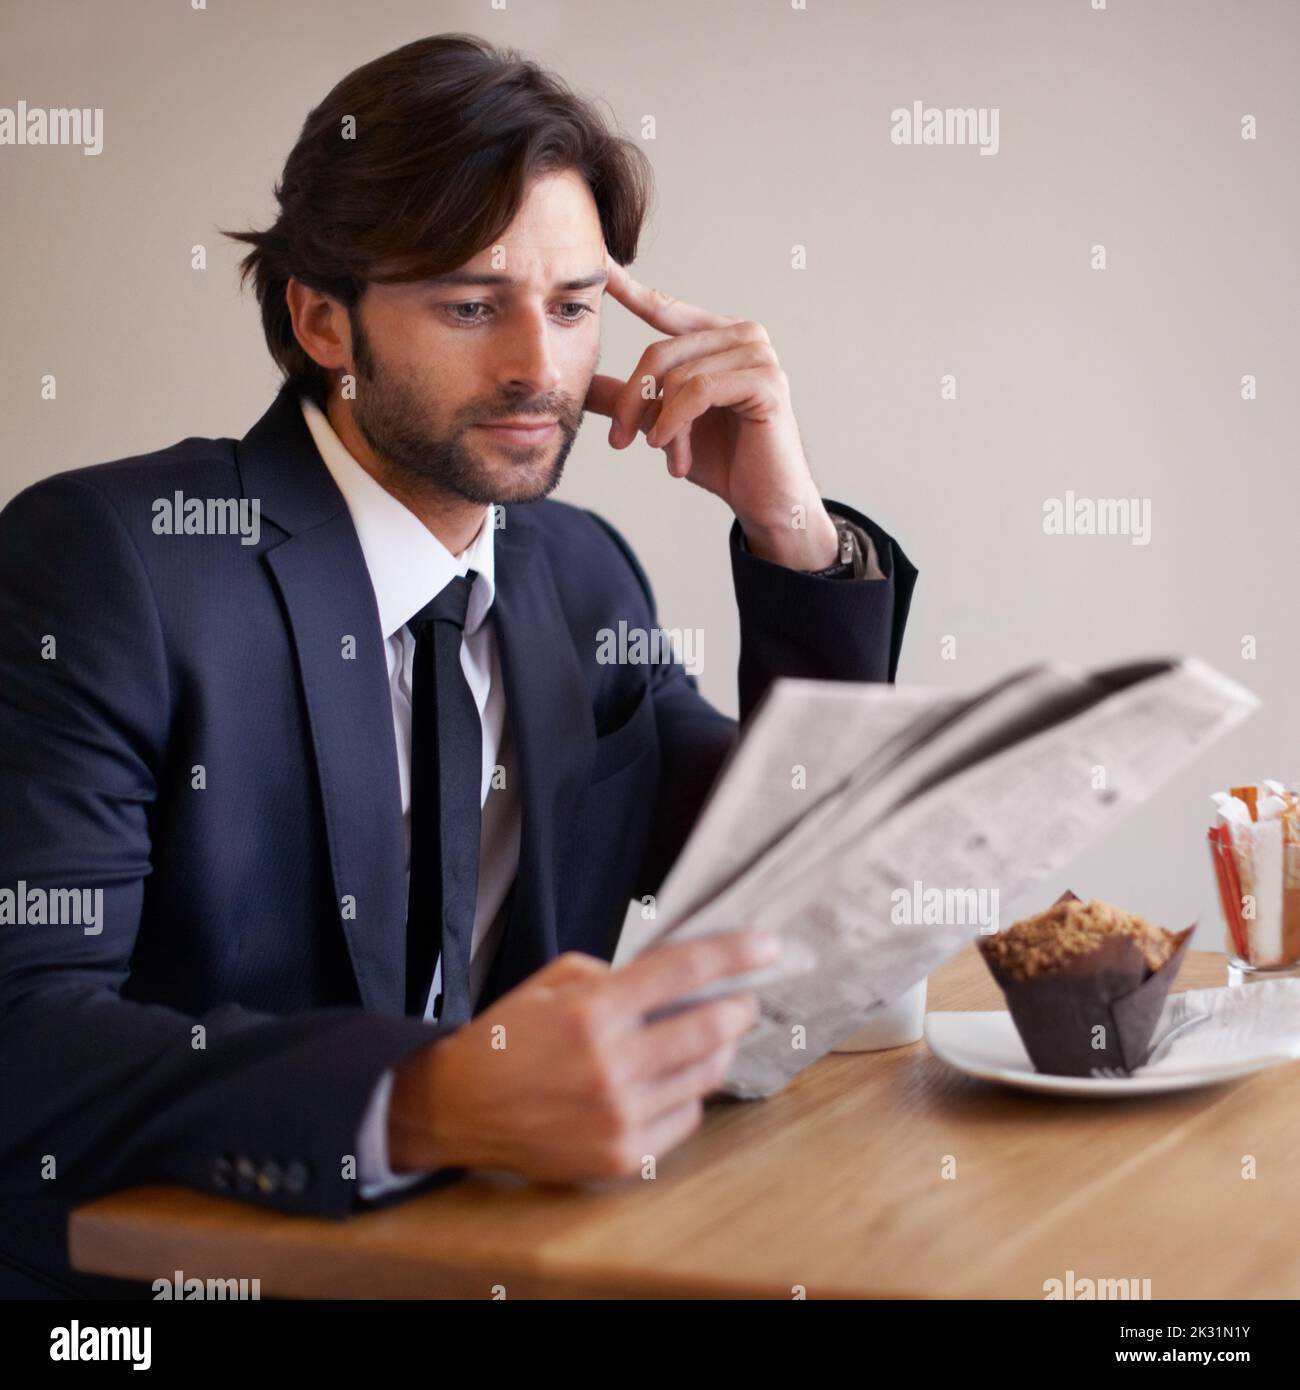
<point>1119,127</point>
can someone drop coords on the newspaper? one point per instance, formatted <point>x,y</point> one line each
<point>846,808</point>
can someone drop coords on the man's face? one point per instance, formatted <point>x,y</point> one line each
<point>512,335</point>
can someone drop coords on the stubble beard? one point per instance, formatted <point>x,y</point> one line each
<point>393,418</point>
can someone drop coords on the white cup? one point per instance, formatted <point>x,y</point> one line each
<point>894,1025</point>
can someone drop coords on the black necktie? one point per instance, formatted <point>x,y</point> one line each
<point>446,779</point>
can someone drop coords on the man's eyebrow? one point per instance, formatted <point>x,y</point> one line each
<point>484,277</point>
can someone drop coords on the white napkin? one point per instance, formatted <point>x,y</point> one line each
<point>1242,1023</point>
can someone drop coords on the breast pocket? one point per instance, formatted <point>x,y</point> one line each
<point>621,746</point>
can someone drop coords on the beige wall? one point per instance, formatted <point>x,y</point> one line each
<point>1119,127</point>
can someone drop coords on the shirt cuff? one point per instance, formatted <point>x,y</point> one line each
<point>375,1177</point>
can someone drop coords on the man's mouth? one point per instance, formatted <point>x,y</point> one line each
<point>533,430</point>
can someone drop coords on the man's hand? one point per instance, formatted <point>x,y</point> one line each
<point>562,1079</point>
<point>714,397</point>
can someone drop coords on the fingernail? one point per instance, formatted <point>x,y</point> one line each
<point>613,434</point>
<point>766,947</point>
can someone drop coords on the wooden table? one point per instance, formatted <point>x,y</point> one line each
<point>836,1185</point>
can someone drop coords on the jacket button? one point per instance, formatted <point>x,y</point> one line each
<point>296,1176</point>
<point>245,1173</point>
<point>222,1172</point>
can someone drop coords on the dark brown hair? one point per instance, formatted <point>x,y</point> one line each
<point>448,133</point>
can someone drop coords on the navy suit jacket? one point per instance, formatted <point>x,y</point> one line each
<point>226,1027</point>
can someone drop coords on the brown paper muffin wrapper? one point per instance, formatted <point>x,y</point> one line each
<point>1097,1011</point>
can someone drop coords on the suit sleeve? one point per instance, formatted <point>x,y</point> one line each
<point>103,1091</point>
<point>794,624</point>
<point>791,624</point>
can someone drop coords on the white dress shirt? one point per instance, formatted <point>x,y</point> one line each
<point>408,566</point>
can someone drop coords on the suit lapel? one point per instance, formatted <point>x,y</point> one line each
<point>554,733</point>
<point>320,572</point>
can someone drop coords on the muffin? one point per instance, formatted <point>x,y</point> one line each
<point>1085,983</point>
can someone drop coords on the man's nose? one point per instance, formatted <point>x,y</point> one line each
<point>528,360</point>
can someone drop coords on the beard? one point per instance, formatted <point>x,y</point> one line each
<point>396,420</point>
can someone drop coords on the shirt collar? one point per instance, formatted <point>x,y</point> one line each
<point>408,564</point>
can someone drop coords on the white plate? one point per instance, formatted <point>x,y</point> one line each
<point>987,1045</point>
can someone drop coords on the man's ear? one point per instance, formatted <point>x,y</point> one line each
<point>321,325</point>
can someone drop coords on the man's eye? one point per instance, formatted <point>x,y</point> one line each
<point>468,304</point>
<point>475,311</point>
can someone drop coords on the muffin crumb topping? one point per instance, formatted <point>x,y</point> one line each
<point>1066,931</point>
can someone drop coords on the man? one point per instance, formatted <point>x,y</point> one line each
<point>336,751</point>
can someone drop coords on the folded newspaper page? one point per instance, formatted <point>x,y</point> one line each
<point>870,827</point>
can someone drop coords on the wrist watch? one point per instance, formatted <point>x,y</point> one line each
<point>850,552</point>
